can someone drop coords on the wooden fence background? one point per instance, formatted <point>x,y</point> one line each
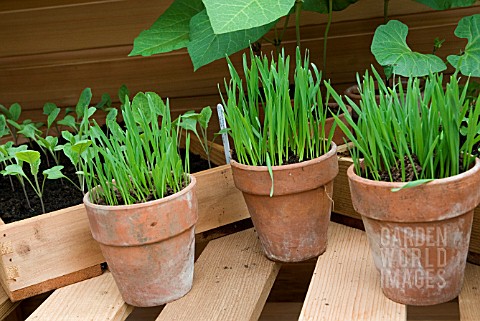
<point>50,50</point>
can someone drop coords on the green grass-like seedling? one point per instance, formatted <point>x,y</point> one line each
<point>411,122</point>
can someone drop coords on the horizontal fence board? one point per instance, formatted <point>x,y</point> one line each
<point>171,75</point>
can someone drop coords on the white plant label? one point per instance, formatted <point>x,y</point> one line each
<point>223,125</point>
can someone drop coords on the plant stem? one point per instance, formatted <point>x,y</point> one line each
<point>25,193</point>
<point>325,37</point>
<point>39,192</point>
<point>298,10</point>
<point>385,10</point>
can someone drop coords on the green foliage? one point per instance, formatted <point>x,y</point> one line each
<point>211,29</point>
<point>389,46</point>
<point>229,16</point>
<point>469,62</point>
<point>171,30</point>
<point>189,122</point>
<point>32,158</point>
<point>138,163</point>
<point>391,50</point>
<point>205,46</point>
<point>52,112</point>
<point>289,127</point>
<point>411,122</point>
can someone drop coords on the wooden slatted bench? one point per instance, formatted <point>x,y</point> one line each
<point>233,280</point>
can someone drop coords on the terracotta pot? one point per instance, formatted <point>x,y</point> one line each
<point>149,247</point>
<point>419,236</point>
<point>292,225</point>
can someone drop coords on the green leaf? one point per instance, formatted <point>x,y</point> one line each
<point>411,184</point>
<point>5,111</point>
<point>3,126</point>
<point>469,62</point>
<point>72,156</point>
<point>83,102</point>
<point>231,16</point>
<point>52,111</point>
<point>322,5</point>
<point>205,46</point>
<point>69,121</point>
<point>390,48</point>
<point>106,101</point>
<point>13,169</point>
<point>68,136</point>
<point>123,93</point>
<point>29,130</point>
<point>54,173</point>
<point>140,103</point>
<point>446,4</point>
<point>170,31</point>
<point>29,156</point>
<point>48,108</point>
<point>205,116</point>
<point>81,146</point>
<point>15,111</point>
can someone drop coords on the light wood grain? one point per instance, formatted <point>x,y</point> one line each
<point>97,299</point>
<point>345,284</point>
<point>231,282</point>
<point>220,202</point>
<point>6,305</point>
<point>33,248</point>
<point>469,298</point>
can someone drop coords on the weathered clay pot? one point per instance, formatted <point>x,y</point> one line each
<point>292,224</point>
<point>149,247</point>
<point>419,236</point>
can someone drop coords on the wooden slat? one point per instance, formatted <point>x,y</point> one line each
<point>6,305</point>
<point>33,248</point>
<point>231,282</point>
<point>97,299</point>
<point>346,285</point>
<point>469,298</point>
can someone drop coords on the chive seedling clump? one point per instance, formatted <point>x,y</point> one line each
<point>290,127</point>
<point>140,162</point>
<point>411,129</point>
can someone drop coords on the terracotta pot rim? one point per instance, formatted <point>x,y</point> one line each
<point>253,168</point>
<point>186,190</point>
<point>438,181</point>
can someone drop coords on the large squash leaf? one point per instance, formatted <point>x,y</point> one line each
<point>469,62</point>
<point>170,31</point>
<point>389,46</point>
<point>230,16</point>
<point>205,46</point>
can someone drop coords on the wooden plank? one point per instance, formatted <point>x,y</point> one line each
<point>61,76</point>
<point>97,299</point>
<point>220,202</point>
<point>33,248</point>
<point>6,305</point>
<point>346,285</point>
<point>469,297</point>
<point>13,6</point>
<point>231,282</point>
